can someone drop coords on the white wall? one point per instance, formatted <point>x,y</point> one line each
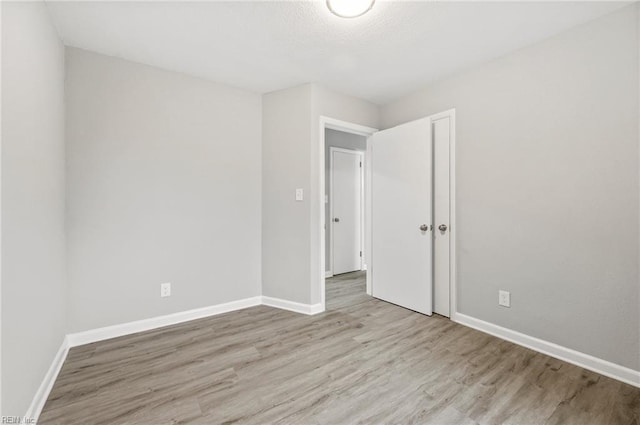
<point>163,186</point>
<point>547,186</point>
<point>291,159</point>
<point>33,194</point>
<point>336,139</point>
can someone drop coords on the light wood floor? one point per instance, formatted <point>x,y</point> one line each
<point>363,361</point>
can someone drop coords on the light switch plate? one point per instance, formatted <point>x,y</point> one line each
<point>299,194</point>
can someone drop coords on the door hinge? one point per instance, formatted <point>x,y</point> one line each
<point>361,253</point>
<point>360,164</point>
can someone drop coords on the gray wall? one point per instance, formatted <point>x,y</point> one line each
<point>336,139</point>
<point>163,186</point>
<point>547,186</point>
<point>286,128</point>
<point>291,159</point>
<point>638,73</point>
<point>33,193</point>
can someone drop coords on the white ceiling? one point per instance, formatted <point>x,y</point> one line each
<point>263,46</point>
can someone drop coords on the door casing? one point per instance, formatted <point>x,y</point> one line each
<point>441,125</point>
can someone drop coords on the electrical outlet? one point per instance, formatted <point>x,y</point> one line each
<point>504,298</point>
<point>165,289</point>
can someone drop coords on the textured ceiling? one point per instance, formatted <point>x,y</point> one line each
<point>263,46</point>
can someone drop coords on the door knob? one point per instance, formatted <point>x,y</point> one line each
<point>424,228</point>
<point>443,227</point>
<point>337,220</point>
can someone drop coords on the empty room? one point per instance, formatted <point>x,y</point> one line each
<point>320,212</point>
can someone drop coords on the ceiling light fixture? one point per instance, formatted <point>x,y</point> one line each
<point>349,8</point>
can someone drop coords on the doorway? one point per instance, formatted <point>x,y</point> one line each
<point>440,138</point>
<point>344,207</point>
<point>344,189</point>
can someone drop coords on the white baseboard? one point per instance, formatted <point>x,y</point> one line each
<point>603,367</point>
<point>292,305</point>
<point>328,274</point>
<point>108,332</point>
<point>47,383</point>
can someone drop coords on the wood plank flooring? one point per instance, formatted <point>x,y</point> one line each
<point>363,361</point>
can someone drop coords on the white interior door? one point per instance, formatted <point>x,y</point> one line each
<point>346,210</point>
<point>402,215</point>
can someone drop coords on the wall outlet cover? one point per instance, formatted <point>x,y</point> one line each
<point>504,298</point>
<point>165,289</point>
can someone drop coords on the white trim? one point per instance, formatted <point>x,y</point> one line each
<point>308,309</point>
<point>128,328</point>
<point>108,332</point>
<point>603,367</point>
<point>363,230</point>
<point>347,127</point>
<point>328,274</point>
<point>329,260</point>
<point>362,160</point>
<point>453,283</point>
<point>453,275</point>
<point>49,379</point>
<point>368,216</point>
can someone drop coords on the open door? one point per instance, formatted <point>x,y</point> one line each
<point>401,197</point>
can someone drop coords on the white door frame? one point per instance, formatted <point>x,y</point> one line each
<point>453,283</point>
<point>347,127</point>
<point>335,124</point>
<point>361,154</point>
